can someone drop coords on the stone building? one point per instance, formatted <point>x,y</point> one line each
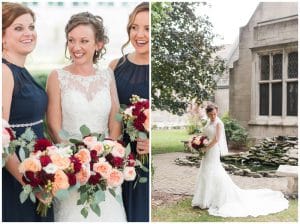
<point>263,93</point>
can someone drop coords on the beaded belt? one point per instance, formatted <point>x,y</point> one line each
<point>25,125</point>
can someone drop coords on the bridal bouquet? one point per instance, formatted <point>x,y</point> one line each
<point>7,141</point>
<point>199,142</point>
<point>136,120</point>
<point>49,171</point>
<point>107,164</point>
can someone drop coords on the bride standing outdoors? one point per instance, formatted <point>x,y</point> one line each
<point>82,94</point>
<point>216,191</point>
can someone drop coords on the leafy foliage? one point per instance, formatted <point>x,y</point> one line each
<point>235,133</point>
<point>184,65</point>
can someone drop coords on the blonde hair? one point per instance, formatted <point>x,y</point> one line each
<point>142,7</point>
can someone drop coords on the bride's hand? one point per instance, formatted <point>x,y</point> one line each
<point>142,146</point>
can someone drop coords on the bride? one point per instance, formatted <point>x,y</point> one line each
<point>215,190</point>
<point>80,94</point>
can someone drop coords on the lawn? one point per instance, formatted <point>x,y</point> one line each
<point>165,141</point>
<point>183,212</point>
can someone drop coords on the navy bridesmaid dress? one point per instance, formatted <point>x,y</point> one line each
<point>29,103</point>
<point>134,79</point>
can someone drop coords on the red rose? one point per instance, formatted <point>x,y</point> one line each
<point>43,177</point>
<point>11,133</point>
<point>41,144</point>
<point>139,121</point>
<point>94,179</point>
<point>76,164</point>
<point>30,178</point>
<point>117,162</point>
<point>45,160</point>
<point>71,178</point>
<point>94,156</point>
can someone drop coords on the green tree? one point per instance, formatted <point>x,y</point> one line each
<point>184,64</point>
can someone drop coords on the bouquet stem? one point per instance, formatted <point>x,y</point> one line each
<point>42,209</point>
<point>144,158</point>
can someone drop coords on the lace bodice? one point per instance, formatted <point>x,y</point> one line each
<point>86,100</point>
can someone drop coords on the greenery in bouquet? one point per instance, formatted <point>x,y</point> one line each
<point>48,171</point>
<point>198,143</point>
<point>106,165</point>
<point>135,118</point>
<point>8,137</point>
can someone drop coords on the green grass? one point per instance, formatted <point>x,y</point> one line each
<point>183,212</point>
<point>165,141</point>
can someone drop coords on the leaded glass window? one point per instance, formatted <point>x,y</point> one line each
<point>265,67</point>
<point>292,99</point>
<point>277,66</point>
<point>264,99</point>
<point>277,99</point>
<point>293,65</point>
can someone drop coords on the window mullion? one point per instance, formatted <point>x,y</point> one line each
<point>284,84</point>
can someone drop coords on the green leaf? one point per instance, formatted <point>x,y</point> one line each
<point>84,212</point>
<point>85,131</point>
<point>145,169</point>
<point>61,194</point>
<point>3,161</point>
<point>22,154</point>
<point>112,191</point>
<point>95,207</point>
<point>32,197</point>
<point>119,117</point>
<point>63,134</point>
<point>23,196</point>
<point>143,180</point>
<point>74,141</point>
<point>28,135</point>
<point>142,135</point>
<point>99,196</point>
<point>127,150</point>
<point>83,198</point>
<point>119,199</point>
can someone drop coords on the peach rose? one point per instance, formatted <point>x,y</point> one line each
<point>90,141</point>
<point>61,162</point>
<point>83,155</point>
<point>129,173</point>
<point>61,181</point>
<point>118,150</point>
<point>30,164</point>
<point>115,178</point>
<point>83,175</point>
<point>98,146</point>
<point>146,122</point>
<point>102,167</point>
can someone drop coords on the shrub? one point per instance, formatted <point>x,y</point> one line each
<point>235,133</point>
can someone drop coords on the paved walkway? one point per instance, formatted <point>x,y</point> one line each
<point>173,179</point>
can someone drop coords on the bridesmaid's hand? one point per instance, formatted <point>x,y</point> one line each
<point>45,201</point>
<point>142,146</point>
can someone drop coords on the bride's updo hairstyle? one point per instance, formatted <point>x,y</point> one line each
<point>96,22</point>
<point>210,108</point>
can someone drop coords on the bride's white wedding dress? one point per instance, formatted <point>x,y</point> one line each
<point>216,191</point>
<point>87,100</point>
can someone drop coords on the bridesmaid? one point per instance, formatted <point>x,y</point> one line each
<point>23,105</point>
<point>132,77</point>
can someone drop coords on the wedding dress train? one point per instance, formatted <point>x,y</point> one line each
<point>87,100</point>
<point>216,191</point>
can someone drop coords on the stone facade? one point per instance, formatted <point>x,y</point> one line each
<point>272,28</point>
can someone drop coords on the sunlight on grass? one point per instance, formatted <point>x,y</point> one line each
<point>183,212</point>
<point>165,141</point>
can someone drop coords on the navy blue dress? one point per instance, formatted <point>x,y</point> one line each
<point>29,103</point>
<point>134,79</point>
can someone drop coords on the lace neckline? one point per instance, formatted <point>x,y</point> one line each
<point>74,75</point>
